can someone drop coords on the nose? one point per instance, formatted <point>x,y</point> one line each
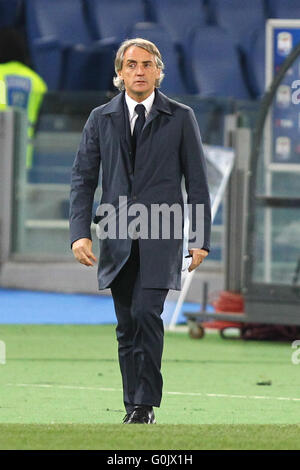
<point>139,70</point>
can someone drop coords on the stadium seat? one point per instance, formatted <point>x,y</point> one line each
<point>286,9</point>
<point>62,48</point>
<point>239,18</point>
<point>180,21</point>
<point>9,12</point>
<point>172,82</point>
<point>57,159</point>
<point>216,65</point>
<point>49,175</point>
<point>255,63</point>
<point>114,18</point>
<point>178,17</point>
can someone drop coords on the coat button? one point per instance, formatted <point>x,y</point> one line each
<point>134,198</point>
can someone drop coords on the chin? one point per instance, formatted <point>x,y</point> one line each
<point>141,88</point>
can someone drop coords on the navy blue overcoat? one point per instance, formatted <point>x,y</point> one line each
<point>169,148</point>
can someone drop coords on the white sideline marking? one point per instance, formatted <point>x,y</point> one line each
<point>191,394</point>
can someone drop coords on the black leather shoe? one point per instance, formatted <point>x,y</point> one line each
<point>126,418</point>
<point>141,415</point>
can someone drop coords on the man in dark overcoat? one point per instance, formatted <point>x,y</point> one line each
<point>146,143</point>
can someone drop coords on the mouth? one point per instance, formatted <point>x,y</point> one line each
<point>140,82</point>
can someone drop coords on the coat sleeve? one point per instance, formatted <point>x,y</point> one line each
<point>195,174</point>
<point>84,181</point>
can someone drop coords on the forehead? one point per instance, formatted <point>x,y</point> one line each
<point>138,54</point>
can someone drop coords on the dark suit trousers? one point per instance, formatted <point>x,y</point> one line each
<point>140,334</point>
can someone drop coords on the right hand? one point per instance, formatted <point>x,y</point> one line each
<point>82,250</point>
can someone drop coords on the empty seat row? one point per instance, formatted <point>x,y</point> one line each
<point>209,64</point>
<point>112,17</point>
<point>115,18</point>
<point>73,42</point>
<point>62,48</point>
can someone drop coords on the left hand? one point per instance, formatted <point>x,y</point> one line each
<point>198,256</point>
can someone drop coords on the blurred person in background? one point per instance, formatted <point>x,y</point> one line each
<point>20,86</point>
<point>146,143</point>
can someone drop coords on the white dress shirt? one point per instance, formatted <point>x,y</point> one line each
<point>131,104</point>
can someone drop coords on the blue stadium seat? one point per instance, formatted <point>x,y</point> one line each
<point>9,12</point>
<point>216,65</point>
<point>179,17</point>
<point>62,48</point>
<point>239,18</point>
<point>255,63</point>
<point>114,18</point>
<point>49,175</point>
<point>286,9</point>
<point>173,81</point>
<point>56,159</point>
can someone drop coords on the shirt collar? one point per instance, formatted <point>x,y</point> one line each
<point>131,104</point>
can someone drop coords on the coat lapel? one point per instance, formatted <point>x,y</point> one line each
<point>161,104</point>
<point>115,110</point>
<point>127,125</point>
<point>118,113</point>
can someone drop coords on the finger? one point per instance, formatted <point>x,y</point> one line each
<point>195,263</point>
<point>193,266</point>
<point>82,257</point>
<point>86,261</point>
<point>92,256</point>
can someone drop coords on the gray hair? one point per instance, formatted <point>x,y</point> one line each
<point>144,44</point>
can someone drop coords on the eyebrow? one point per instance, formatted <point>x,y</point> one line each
<point>135,61</point>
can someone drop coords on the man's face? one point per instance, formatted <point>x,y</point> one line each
<point>139,72</point>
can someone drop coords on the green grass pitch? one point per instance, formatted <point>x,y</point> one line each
<point>60,388</point>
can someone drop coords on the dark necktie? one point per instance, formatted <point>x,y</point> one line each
<point>138,126</point>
